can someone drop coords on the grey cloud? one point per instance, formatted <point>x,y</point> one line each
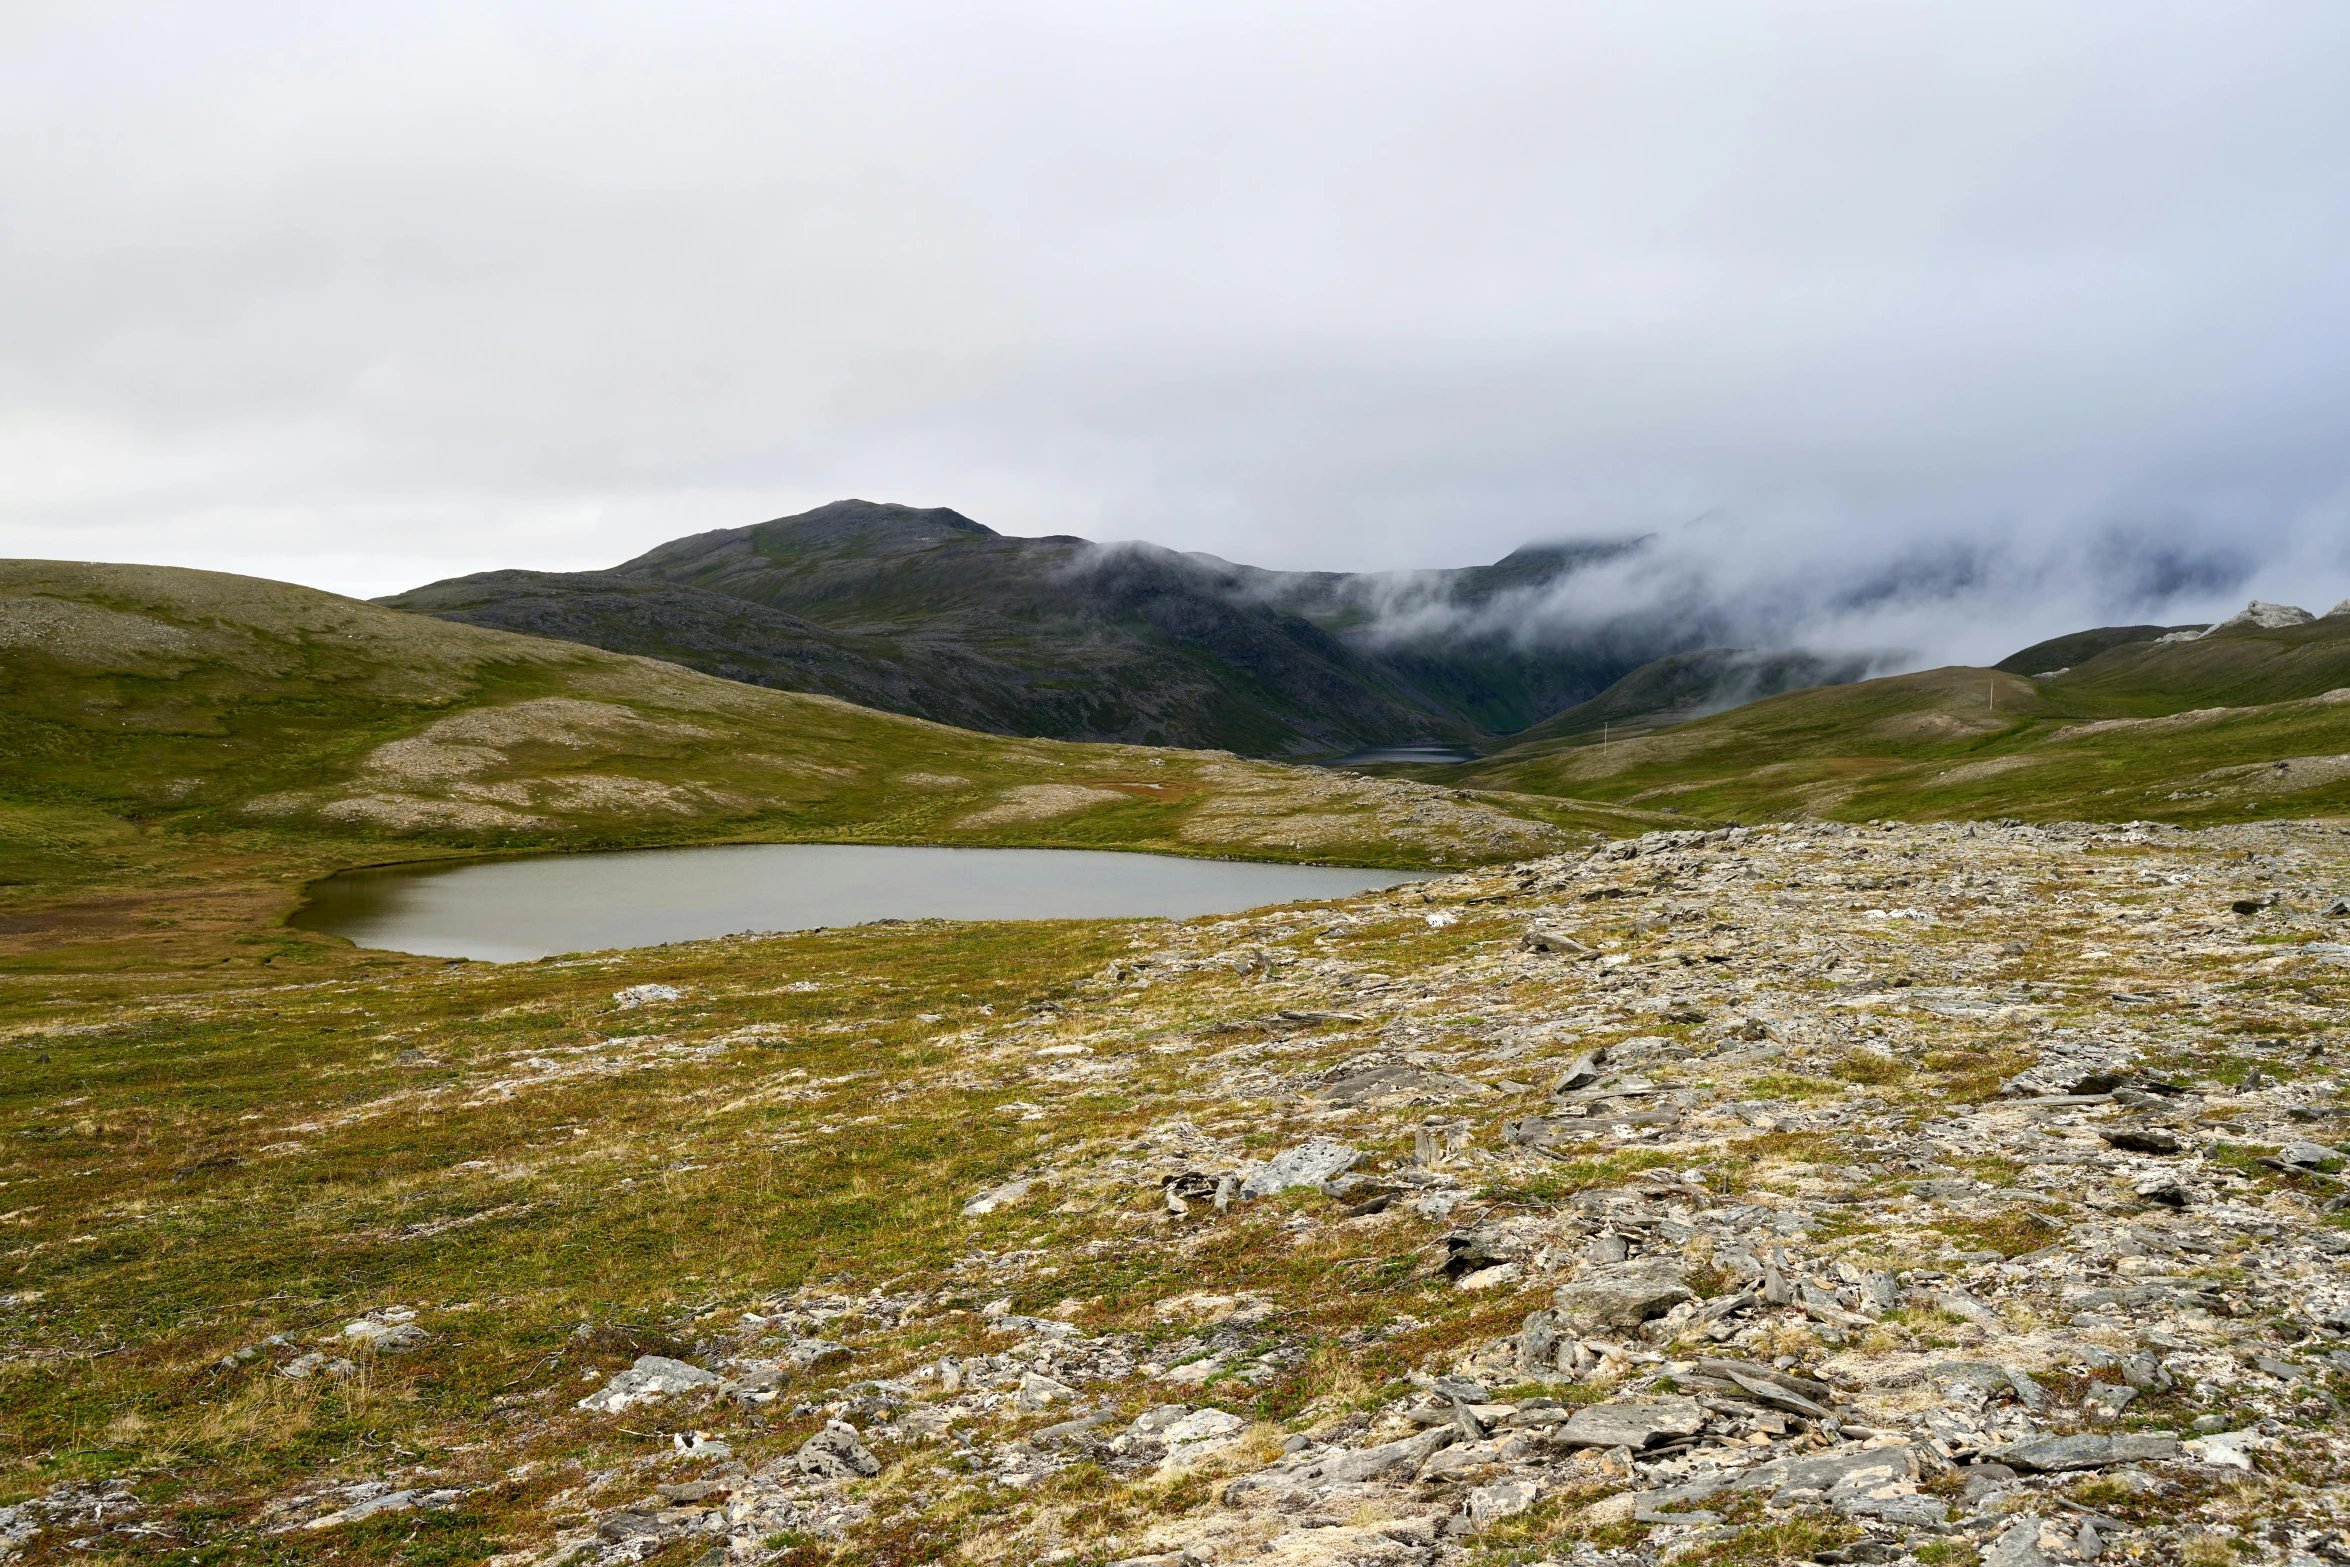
<point>1955,326</point>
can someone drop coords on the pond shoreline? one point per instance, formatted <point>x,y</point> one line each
<point>515,908</point>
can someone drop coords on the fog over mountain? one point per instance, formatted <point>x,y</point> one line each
<point>1913,333</point>
<point>1895,601</point>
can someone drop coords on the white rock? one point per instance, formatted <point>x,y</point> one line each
<point>1489,1504</point>
<point>996,1197</point>
<point>638,995</point>
<point>1308,1164</point>
<point>1203,1425</point>
<point>2224,1449</point>
<point>1491,1278</point>
<point>652,1378</point>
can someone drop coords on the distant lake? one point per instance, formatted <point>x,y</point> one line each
<point>1403,753</point>
<point>505,911</point>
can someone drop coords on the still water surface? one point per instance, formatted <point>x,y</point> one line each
<point>504,911</point>
<point>1440,754</point>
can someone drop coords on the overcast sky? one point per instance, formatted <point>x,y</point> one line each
<point>1954,321</point>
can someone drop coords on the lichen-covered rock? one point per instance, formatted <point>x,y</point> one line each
<point>1622,1295</point>
<point>836,1453</point>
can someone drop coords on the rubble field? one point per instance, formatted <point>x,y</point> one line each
<point>1852,1194</point>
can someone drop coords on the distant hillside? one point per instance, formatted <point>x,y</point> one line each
<point>2232,664</point>
<point>924,611</point>
<point>2244,720</point>
<point>199,739</point>
<point>1683,686</point>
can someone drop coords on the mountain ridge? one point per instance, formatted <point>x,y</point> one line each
<point>926,611</point>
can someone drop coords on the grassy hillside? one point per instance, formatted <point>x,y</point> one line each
<point>2242,666</point>
<point>2245,722</point>
<point>181,749</point>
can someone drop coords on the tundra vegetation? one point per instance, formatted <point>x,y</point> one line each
<point>1928,1190</point>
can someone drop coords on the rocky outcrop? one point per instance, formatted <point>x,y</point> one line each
<point>2266,617</point>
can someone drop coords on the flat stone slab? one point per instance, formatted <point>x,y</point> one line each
<point>2053,1454</point>
<point>1631,1425</point>
<point>1353,1466</point>
<point>1788,1476</point>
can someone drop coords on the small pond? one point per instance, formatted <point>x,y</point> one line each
<point>505,911</point>
<point>1439,754</point>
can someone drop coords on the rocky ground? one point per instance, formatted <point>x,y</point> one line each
<point>1853,1194</point>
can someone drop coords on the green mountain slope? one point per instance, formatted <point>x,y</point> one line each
<point>2235,666</point>
<point>2244,721</point>
<point>924,611</point>
<point>2079,647</point>
<point>164,729</point>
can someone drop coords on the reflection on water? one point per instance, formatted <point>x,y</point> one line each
<point>507,910</point>
<point>1403,753</point>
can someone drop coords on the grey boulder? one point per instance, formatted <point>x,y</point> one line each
<point>1789,1478</point>
<point>835,1453</point>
